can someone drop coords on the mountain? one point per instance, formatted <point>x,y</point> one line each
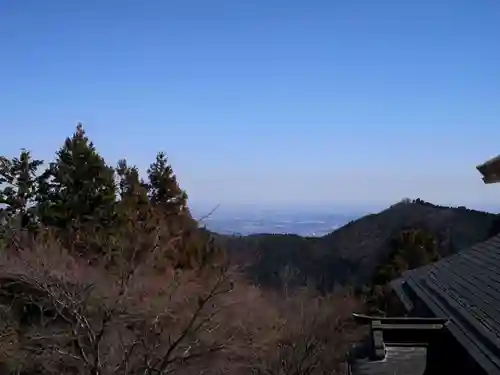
<point>351,253</point>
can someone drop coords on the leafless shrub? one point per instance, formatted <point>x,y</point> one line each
<point>314,335</point>
<point>123,314</point>
<point>96,320</point>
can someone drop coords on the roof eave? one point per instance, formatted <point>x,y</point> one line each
<point>491,179</point>
<point>490,170</point>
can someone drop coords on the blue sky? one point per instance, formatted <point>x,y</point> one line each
<point>265,102</point>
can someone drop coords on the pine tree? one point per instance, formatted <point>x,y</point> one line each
<point>195,249</point>
<point>164,191</point>
<point>19,179</point>
<point>134,202</point>
<point>78,187</point>
<point>130,186</point>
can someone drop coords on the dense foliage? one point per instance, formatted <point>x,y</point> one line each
<point>410,249</point>
<point>89,204</point>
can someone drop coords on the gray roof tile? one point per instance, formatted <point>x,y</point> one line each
<point>465,288</point>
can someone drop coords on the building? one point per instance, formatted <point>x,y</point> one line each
<point>452,319</point>
<point>490,170</point>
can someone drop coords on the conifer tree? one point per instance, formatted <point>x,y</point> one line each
<point>19,187</point>
<point>133,193</point>
<point>164,191</point>
<point>195,249</point>
<point>78,186</point>
<point>130,186</point>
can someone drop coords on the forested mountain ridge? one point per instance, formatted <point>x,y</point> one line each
<point>350,254</point>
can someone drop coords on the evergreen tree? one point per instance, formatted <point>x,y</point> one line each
<point>130,186</point>
<point>410,248</point>
<point>164,191</point>
<point>133,193</point>
<point>195,249</point>
<point>78,187</point>
<point>19,187</point>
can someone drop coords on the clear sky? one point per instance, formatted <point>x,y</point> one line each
<point>270,102</point>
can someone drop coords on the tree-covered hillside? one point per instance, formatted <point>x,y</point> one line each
<point>351,254</point>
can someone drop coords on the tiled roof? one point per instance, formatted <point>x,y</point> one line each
<point>464,288</point>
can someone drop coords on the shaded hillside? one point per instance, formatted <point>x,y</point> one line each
<point>350,254</point>
<point>365,241</point>
<point>278,260</point>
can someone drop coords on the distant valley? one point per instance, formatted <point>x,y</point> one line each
<point>302,223</point>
